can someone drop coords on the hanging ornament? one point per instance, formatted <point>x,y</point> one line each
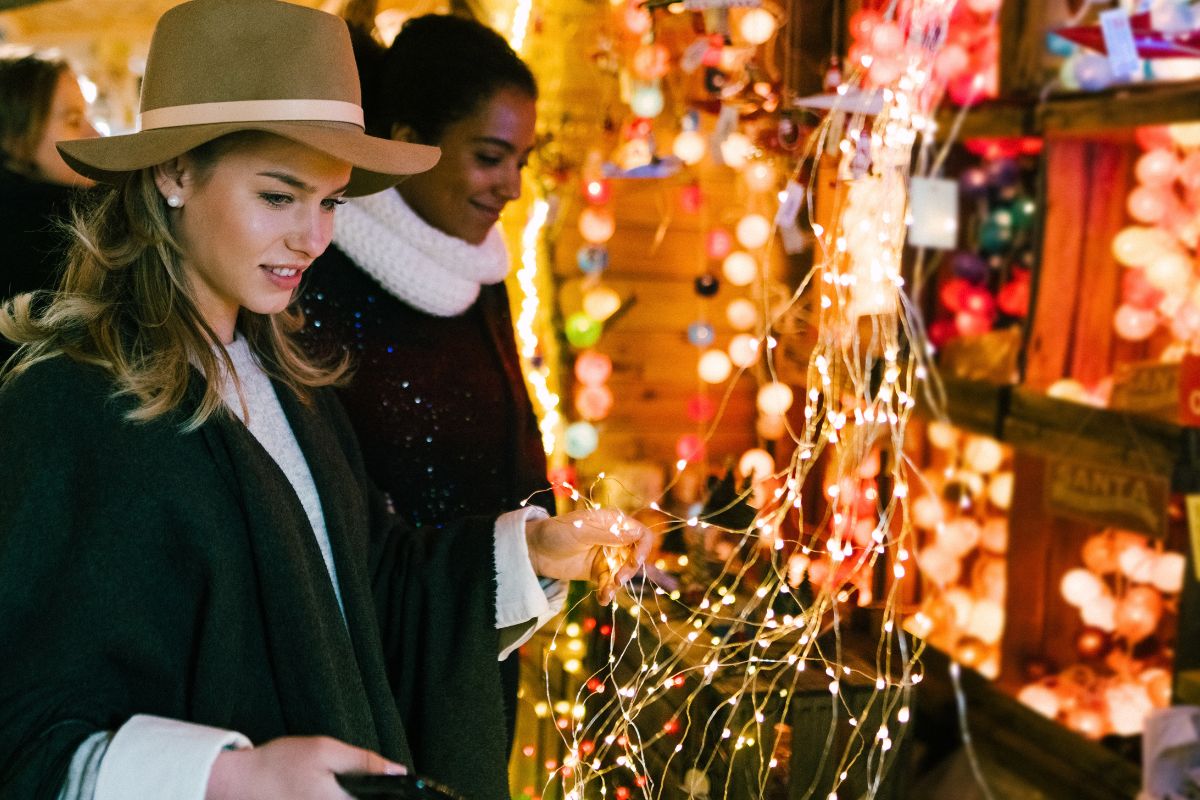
<point>691,198</point>
<point>651,61</point>
<point>582,438</point>
<point>701,408</point>
<point>592,368</point>
<point>689,447</point>
<point>718,243</point>
<point>601,302</point>
<point>739,268</point>
<point>701,334</point>
<point>597,225</point>
<point>757,26</point>
<point>594,402</point>
<point>753,231</point>
<point>592,259</point>
<point>647,101</point>
<point>756,464</point>
<point>741,314</point>
<point>743,350</point>
<point>707,285</point>
<point>597,192</point>
<point>690,147</point>
<point>582,330</point>
<point>714,366</point>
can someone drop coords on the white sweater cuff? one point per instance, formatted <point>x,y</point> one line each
<point>521,598</point>
<point>162,758</point>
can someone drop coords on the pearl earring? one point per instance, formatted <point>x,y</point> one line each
<point>174,201</point>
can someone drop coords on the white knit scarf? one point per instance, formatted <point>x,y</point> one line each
<point>430,270</point>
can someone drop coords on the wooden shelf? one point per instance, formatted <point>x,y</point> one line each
<point>1080,113</point>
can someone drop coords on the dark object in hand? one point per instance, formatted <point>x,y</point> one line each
<point>395,787</point>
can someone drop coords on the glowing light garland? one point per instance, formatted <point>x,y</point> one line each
<point>520,25</point>
<point>864,373</point>
<point>538,375</point>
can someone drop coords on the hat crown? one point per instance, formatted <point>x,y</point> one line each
<point>220,51</point>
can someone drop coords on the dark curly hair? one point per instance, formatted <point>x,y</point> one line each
<point>440,69</point>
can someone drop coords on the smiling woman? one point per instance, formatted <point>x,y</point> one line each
<point>201,593</point>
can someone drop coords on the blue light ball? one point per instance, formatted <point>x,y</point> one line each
<point>701,334</point>
<point>582,438</point>
<point>592,259</point>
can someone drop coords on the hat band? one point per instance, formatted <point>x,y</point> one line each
<point>252,111</point>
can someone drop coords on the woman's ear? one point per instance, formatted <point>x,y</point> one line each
<point>174,181</point>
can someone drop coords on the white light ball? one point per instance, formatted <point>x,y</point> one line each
<point>1186,134</point>
<point>740,268</point>
<point>1167,572</point>
<point>1041,699</point>
<point>1100,613</point>
<point>736,150</point>
<point>959,536</point>
<point>756,464</point>
<point>1068,389</point>
<point>760,176</point>
<point>690,147</point>
<point>1128,704</point>
<point>1171,272</point>
<point>742,314</point>
<point>753,231</point>
<point>927,512</point>
<point>939,566</point>
<point>757,26</point>
<point>1080,587</point>
<point>962,602</point>
<point>942,435</point>
<point>994,535</point>
<point>987,621</point>
<point>775,398</point>
<point>714,366</point>
<point>647,101</point>
<point>1137,563</point>
<point>601,302</point>
<point>1000,490</point>
<point>983,454</point>
<point>743,352</point>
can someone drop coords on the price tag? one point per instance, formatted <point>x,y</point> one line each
<point>1118,41</point>
<point>794,240</point>
<point>933,204</point>
<point>727,122</point>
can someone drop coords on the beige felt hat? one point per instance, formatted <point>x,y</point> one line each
<point>220,66</point>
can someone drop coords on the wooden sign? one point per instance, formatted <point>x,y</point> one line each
<point>1107,496</point>
<point>1147,388</point>
<point>1189,390</point>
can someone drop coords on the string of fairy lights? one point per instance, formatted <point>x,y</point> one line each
<point>755,637</point>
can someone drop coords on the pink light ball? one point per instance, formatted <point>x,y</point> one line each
<point>597,225</point>
<point>701,408</point>
<point>1153,137</point>
<point>990,579</point>
<point>1134,324</point>
<point>1157,168</point>
<point>1170,271</point>
<point>1147,204</point>
<point>1138,292</point>
<point>1100,613</point>
<point>594,402</point>
<point>689,447</point>
<point>1137,245</point>
<point>1185,324</point>
<point>885,70</point>
<point>592,368</point>
<point>863,22</point>
<point>718,243</point>
<point>941,567</point>
<point>983,454</point>
<point>769,427</point>
<point>951,62</point>
<point>1137,563</point>
<point>942,435</point>
<point>1128,704</point>
<point>1138,613</point>
<point>886,39</point>
<point>971,323</point>
<point>1080,587</point>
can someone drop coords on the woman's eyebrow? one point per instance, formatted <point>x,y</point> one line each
<point>296,183</point>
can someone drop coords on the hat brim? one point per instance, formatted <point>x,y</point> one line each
<point>377,163</point>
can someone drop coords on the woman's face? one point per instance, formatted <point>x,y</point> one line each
<point>67,119</point>
<point>251,223</point>
<point>480,169</point>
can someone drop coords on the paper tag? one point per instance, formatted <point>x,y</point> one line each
<point>1118,41</point>
<point>794,240</point>
<point>793,198</point>
<point>1193,518</point>
<point>727,122</point>
<point>933,206</point>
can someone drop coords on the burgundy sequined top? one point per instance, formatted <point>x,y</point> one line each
<point>439,403</point>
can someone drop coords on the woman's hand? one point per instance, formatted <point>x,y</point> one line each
<point>600,545</point>
<point>293,767</point>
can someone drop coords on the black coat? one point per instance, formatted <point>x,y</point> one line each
<point>32,248</point>
<point>146,570</point>
<point>439,403</point>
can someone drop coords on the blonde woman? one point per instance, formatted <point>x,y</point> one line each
<point>200,595</point>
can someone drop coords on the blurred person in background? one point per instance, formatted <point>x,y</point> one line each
<point>40,103</point>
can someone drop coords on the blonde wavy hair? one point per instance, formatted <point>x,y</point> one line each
<point>125,304</point>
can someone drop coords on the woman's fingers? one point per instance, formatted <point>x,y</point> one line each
<point>602,575</point>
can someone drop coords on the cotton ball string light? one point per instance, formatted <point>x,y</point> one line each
<point>983,454</point>
<point>1137,613</point>
<point>743,351</point>
<point>718,243</point>
<point>1080,587</point>
<point>1000,490</point>
<point>760,176</point>
<point>1137,563</point>
<point>601,302</point>
<point>1128,704</point>
<point>592,368</point>
<point>774,398</point>
<point>942,435</point>
<point>597,225</point>
<point>739,267</point>
<point>594,402</point>
<point>714,366</point>
<point>927,512</point>
<point>736,150</point>
<point>741,314</point>
<point>690,147</point>
<point>757,26</point>
<point>939,566</point>
<point>689,448</point>
<point>1100,612</point>
<point>582,330</point>
<point>581,439</point>
<point>753,231</point>
<point>756,464</point>
<point>1134,324</point>
<point>1167,572</point>
<point>1157,168</point>
<point>770,427</point>
<point>701,334</point>
<point>958,536</point>
<point>986,622</point>
<point>1041,699</point>
<point>592,259</point>
<point>647,101</point>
